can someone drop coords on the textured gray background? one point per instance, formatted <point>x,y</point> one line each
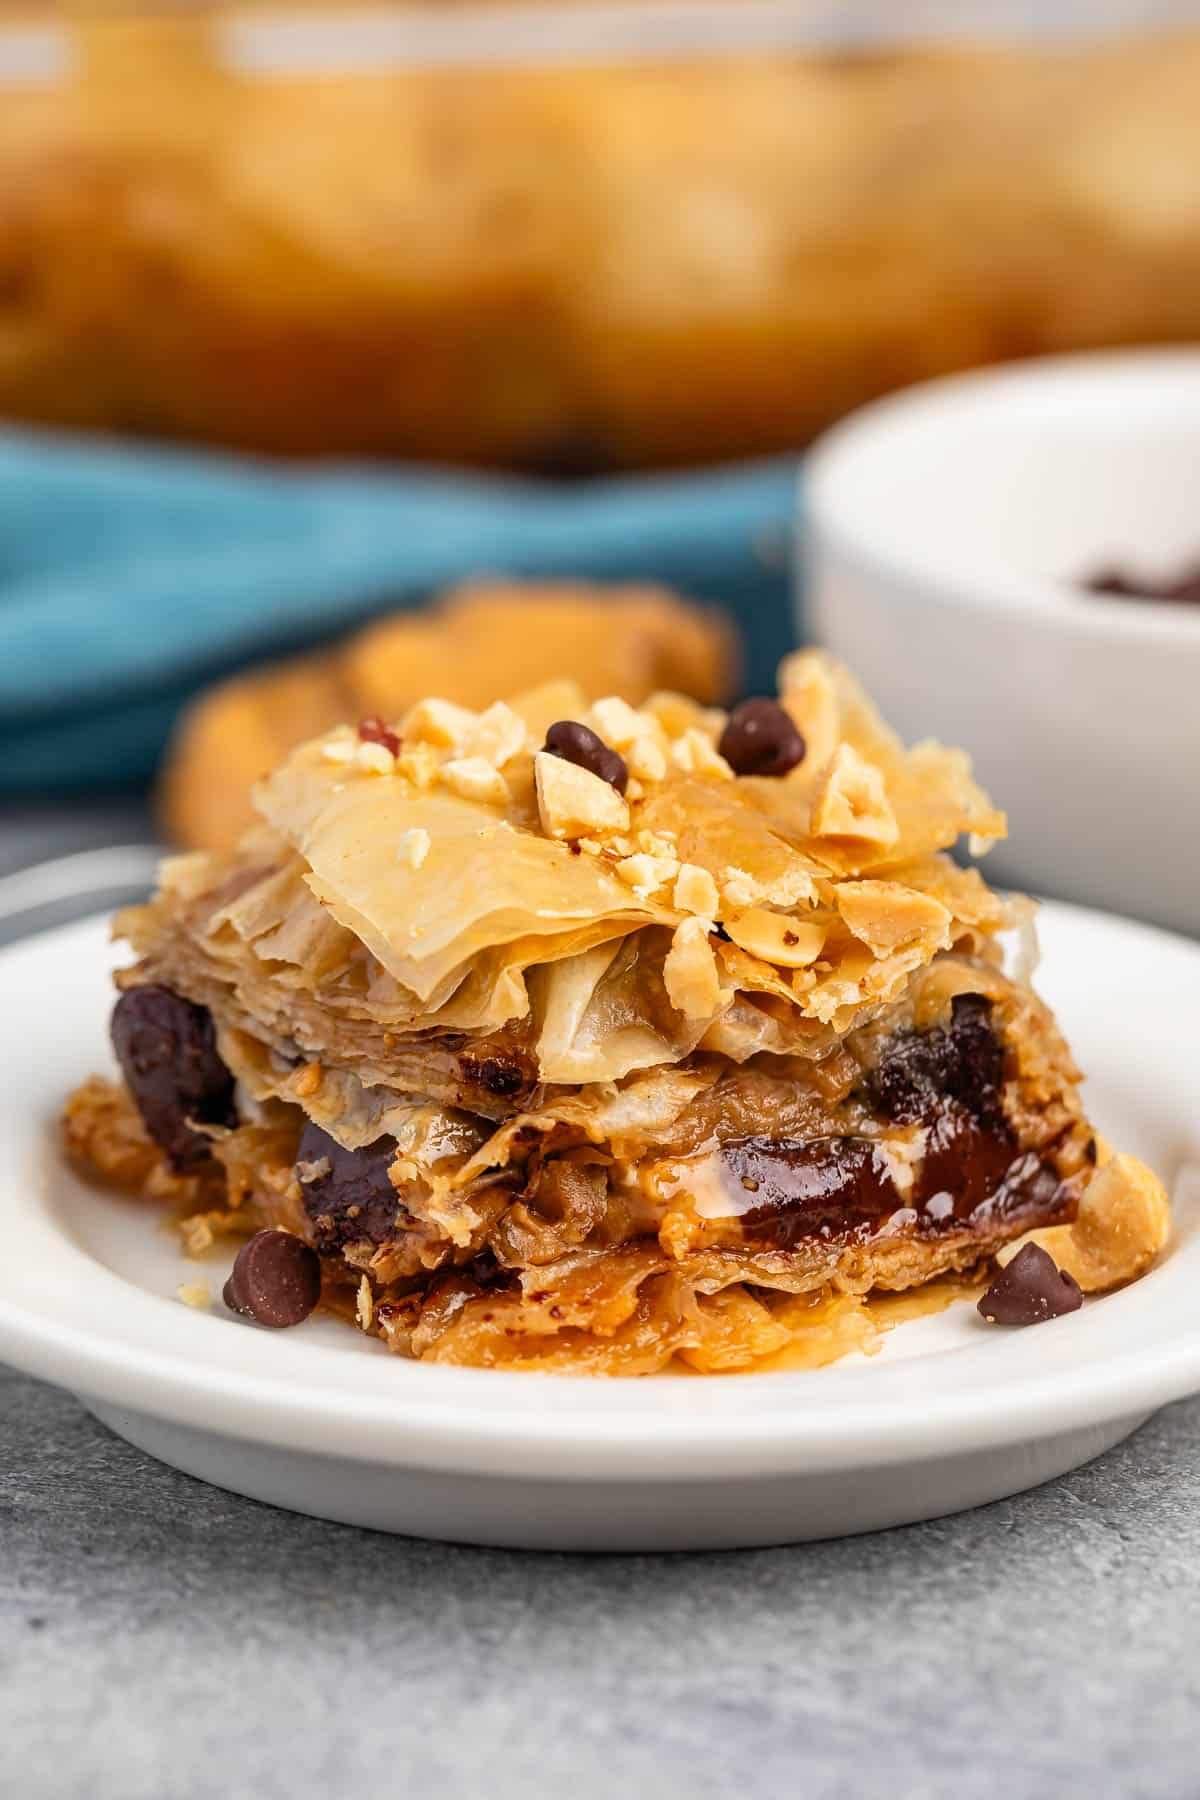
<point>160,1640</point>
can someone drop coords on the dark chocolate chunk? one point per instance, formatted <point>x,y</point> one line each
<point>346,1193</point>
<point>918,1071</point>
<point>373,730</point>
<point>1029,1290</point>
<point>578,744</point>
<point>167,1050</point>
<point>760,738</point>
<point>275,1280</point>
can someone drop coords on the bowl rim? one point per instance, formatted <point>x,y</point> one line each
<point>829,521</point>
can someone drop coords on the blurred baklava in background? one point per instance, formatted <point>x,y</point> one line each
<point>572,238</point>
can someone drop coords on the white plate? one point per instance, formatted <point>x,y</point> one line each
<point>319,1419</point>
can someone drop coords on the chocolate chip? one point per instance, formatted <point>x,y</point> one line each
<point>350,1200</point>
<point>373,730</point>
<point>760,738</point>
<point>275,1280</point>
<point>167,1050</point>
<point>578,744</point>
<point>1030,1289</point>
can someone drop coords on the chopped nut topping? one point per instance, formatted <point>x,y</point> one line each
<point>808,694</point>
<point>739,889</point>
<point>419,765</point>
<point>476,779</point>
<point>1124,1220</point>
<point>646,873</point>
<point>618,723</point>
<point>413,847</point>
<point>197,1234</point>
<point>690,970</point>
<point>339,750</point>
<point>196,1294</point>
<point>307,1081</point>
<point>657,843</point>
<point>696,891</point>
<point>696,754</point>
<point>375,758</point>
<point>497,736</point>
<point>573,802</point>
<point>365,1305</point>
<point>438,722</point>
<point>777,937</point>
<point>851,801</point>
<point>646,761</point>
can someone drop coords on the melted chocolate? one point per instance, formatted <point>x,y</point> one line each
<point>354,1201</point>
<point>971,1173</point>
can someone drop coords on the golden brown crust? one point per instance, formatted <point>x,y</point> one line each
<point>483,639</point>
<point>574,268</point>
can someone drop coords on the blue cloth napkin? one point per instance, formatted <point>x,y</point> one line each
<point>131,577</point>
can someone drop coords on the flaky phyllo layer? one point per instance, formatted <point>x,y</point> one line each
<point>564,1069</point>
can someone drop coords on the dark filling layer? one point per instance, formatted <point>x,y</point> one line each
<point>167,1050</point>
<point>841,1187</point>
<point>948,1080</point>
<point>351,1200</point>
<point>971,1172</point>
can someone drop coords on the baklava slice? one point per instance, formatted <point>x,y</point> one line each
<point>589,1037</point>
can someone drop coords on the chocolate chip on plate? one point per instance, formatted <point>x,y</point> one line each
<point>760,738</point>
<point>578,744</point>
<point>1030,1289</point>
<point>373,730</point>
<point>167,1050</point>
<point>275,1280</point>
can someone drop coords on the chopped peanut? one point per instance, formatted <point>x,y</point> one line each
<point>851,801</point>
<point>573,802</point>
<point>696,891</point>
<point>474,778</point>
<point>413,847</point>
<point>777,937</point>
<point>1124,1221</point>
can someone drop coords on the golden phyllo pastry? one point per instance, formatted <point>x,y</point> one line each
<point>579,1036</point>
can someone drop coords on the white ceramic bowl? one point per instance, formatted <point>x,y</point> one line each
<point>945,530</point>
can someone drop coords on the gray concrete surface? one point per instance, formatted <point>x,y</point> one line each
<point>160,1640</point>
